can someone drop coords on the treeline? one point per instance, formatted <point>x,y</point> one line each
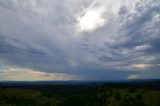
<point>106,94</point>
<point>155,85</point>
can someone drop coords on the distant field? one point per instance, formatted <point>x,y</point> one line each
<point>80,95</point>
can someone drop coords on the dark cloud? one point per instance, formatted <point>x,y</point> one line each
<point>41,35</point>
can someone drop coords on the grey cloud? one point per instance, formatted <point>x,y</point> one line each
<point>136,29</point>
<point>30,57</point>
<point>41,35</point>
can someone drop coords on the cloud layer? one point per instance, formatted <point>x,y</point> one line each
<point>84,39</point>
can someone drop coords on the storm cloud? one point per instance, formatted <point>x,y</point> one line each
<point>79,40</point>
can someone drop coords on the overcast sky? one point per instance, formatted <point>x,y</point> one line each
<point>79,39</point>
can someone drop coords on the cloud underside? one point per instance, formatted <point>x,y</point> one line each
<point>79,40</point>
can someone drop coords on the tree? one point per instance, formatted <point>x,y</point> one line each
<point>117,96</point>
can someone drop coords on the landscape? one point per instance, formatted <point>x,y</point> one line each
<point>80,93</point>
<point>79,52</point>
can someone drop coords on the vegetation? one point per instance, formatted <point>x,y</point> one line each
<point>77,95</point>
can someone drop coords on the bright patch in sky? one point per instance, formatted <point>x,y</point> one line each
<point>27,74</point>
<point>141,66</point>
<point>134,76</point>
<point>91,20</point>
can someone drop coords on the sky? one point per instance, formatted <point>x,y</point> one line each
<point>79,39</point>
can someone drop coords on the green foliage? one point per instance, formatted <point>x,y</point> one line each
<point>117,96</point>
<point>131,101</point>
<point>68,96</point>
<point>73,101</point>
<point>21,97</point>
<point>132,90</point>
